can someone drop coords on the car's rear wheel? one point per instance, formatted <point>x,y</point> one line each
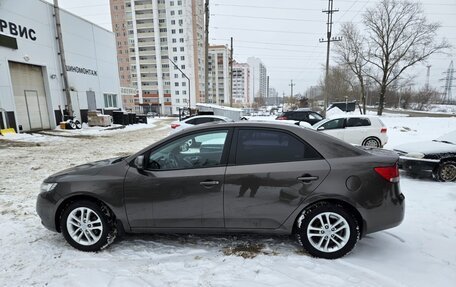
<point>446,171</point>
<point>327,230</point>
<point>87,225</point>
<point>371,142</point>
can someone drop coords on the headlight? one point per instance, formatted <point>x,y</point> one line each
<point>47,186</point>
<point>417,155</point>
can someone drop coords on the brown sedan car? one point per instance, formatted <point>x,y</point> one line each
<point>231,177</point>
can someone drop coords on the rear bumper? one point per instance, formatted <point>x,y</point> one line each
<point>386,214</point>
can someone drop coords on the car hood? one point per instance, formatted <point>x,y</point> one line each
<point>427,147</point>
<point>90,168</point>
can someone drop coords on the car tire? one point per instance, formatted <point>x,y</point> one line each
<point>78,124</point>
<point>71,125</point>
<point>372,142</point>
<point>87,226</point>
<point>446,171</point>
<point>327,230</point>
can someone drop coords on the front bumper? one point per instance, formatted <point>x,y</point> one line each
<point>418,166</point>
<point>46,207</point>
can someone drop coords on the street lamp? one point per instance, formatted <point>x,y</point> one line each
<point>183,74</point>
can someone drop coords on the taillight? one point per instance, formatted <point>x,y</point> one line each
<point>173,126</point>
<point>390,173</point>
<point>282,118</point>
<point>383,130</point>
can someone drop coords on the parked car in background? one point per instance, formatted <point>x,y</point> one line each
<point>436,158</point>
<point>301,115</point>
<point>357,129</point>
<point>231,177</point>
<point>197,120</point>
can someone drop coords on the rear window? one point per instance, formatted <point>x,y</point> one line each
<point>268,146</point>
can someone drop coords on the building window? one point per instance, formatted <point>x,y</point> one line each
<point>181,31</point>
<point>173,22</point>
<point>174,49</point>
<point>176,84</point>
<point>110,100</point>
<point>177,92</point>
<point>181,22</point>
<point>182,58</point>
<point>182,49</point>
<point>179,12</point>
<point>177,101</point>
<point>181,40</point>
<point>172,12</point>
<point>184,84</point>
<point>173,31</point>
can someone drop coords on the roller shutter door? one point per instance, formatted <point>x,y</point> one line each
<point>29,96</point>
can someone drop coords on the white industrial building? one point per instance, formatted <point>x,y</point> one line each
<point>32,93</point>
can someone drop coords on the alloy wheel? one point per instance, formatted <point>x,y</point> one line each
<point>328,232</point>
<point>84,226</point>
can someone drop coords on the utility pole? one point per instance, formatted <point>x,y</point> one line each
<point>206,52</point>
<point>64,74</point>
<point>328,40</point>
<point>267,87</point>
<point>231,73</point>
<point>291,94</point>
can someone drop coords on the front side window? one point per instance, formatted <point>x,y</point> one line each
<point>268,146</point>
<point>194,151</point>
<point>334,124</point>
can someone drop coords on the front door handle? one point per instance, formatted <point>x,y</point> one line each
<point>307,178</point>
<point>208,183</point>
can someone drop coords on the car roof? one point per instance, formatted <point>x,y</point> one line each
<point>208,116</point>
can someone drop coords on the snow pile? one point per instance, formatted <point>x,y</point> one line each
<point>30,138</point>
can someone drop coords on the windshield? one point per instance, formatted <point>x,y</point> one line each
<point>448,138</point>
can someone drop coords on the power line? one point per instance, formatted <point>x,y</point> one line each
<point>267,7</point>
<point>266,31</point>
<point>268,43</point>
<point>265,18</point>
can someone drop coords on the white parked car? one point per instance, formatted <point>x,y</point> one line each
<point>356,129</point>
<point>197,120</point>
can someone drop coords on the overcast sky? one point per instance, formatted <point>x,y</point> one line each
<point>285,34</point>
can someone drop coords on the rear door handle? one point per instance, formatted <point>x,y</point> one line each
<point>307,179</point>
<point>209,183</point>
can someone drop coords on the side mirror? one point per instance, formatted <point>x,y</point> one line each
<point>320,128</point>
<point>139,162</point>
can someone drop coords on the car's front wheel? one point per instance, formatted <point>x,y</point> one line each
<point>86,225</point>
<point>446,171</point>
<point>327,230</point>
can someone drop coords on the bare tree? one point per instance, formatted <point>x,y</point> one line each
<point>399,36</point>
<point>351,52</point>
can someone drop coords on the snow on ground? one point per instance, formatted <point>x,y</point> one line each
<point>420,252</point>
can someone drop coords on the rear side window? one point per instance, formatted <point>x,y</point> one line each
<point>358,122</point>
<point>268,146</point>
<point>315,116</point>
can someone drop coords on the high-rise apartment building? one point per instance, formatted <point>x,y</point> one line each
<point>241,83</point>
<point>151,35</point>
<point>219,75</point>
<point>258,78</point>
